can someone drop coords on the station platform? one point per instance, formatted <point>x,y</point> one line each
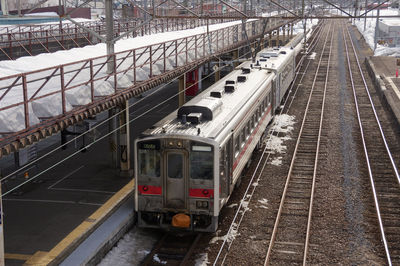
<point>93,238</point>
<point>382,70</point>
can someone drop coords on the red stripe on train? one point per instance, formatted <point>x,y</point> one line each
<point>150,190</point>
<point>251,138</point>
<point>201,193</point>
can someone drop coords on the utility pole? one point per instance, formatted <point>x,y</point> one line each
<point>365,11</point>
<point>4,8</point>
<point>355,9</point>
<point>145,8</point>
<point>376,26</point>
<point>304,24</point>
<point>19,8</point>
<point>110,35</point>
<point>112,124</point>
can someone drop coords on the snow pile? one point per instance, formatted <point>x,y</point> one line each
<point>232,234</point>
<point>131,249</point>
<point>202,260</point>
<point>158,260</point>
<point>282,124</point>
<point>263,203</point>
<point>369,33</point>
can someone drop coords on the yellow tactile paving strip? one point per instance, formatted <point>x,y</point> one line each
<point>62,249</point>
<point>12,256</point>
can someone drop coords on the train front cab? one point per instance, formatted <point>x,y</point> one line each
<point>175,184</point>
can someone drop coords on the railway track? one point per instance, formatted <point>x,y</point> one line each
<point>301,70</point>
<point>381,163</point>
<point>172,249</point>
<point>290,235</point>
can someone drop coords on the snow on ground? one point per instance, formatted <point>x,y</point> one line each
<point>369,32</point>
<point>232,234</point>
<point>263,203</point>
<point>202,260</point>
<point>282,124</point>
<point>232,205</point>
<point>131,249</point>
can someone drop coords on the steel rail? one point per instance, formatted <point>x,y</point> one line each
<point>370,175</point>
<point>389,153</point>
<point>257,168</point>
<point>277,220</point>
<point>316,158</point>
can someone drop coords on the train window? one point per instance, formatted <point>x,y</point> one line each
<point>243,136</point>
<point>149,162</point>
<point>237,141</point>
<point>201,162</point>
<point>248,127</point>
<point>175,165</point>
<point>252,124</point>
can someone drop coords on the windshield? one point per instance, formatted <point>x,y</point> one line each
<point>149,159</point>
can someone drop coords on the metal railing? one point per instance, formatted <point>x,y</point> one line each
<point>28,39</point>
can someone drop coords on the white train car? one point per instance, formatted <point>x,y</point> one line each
<point>187,164</point>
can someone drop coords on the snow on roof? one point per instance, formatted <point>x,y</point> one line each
<point>51,106</point>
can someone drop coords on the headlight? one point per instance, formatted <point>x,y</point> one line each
<point>201,204</point>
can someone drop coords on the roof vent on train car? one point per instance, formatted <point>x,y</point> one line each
<point>228,82</point>
<point>230,88</point>
<point>217,93</point>
<point>194,118</point>
<point>282,52</point>
<point>245,70</point>
<point>208,107</point>
<point>263,60</point>
<point>241,79</point>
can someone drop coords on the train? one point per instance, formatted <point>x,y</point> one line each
<point>187,164</point>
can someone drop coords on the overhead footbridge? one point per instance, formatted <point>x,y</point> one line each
<point>61,90</point>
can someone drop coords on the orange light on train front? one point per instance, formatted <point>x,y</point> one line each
<point>150,190</point>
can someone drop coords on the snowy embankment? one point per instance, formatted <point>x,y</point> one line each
<point>369,32</point>
<point>76,74</point>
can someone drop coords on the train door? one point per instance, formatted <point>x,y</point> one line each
<point>176,176</point>
<point>278,90</point>
<point>226,168</point>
